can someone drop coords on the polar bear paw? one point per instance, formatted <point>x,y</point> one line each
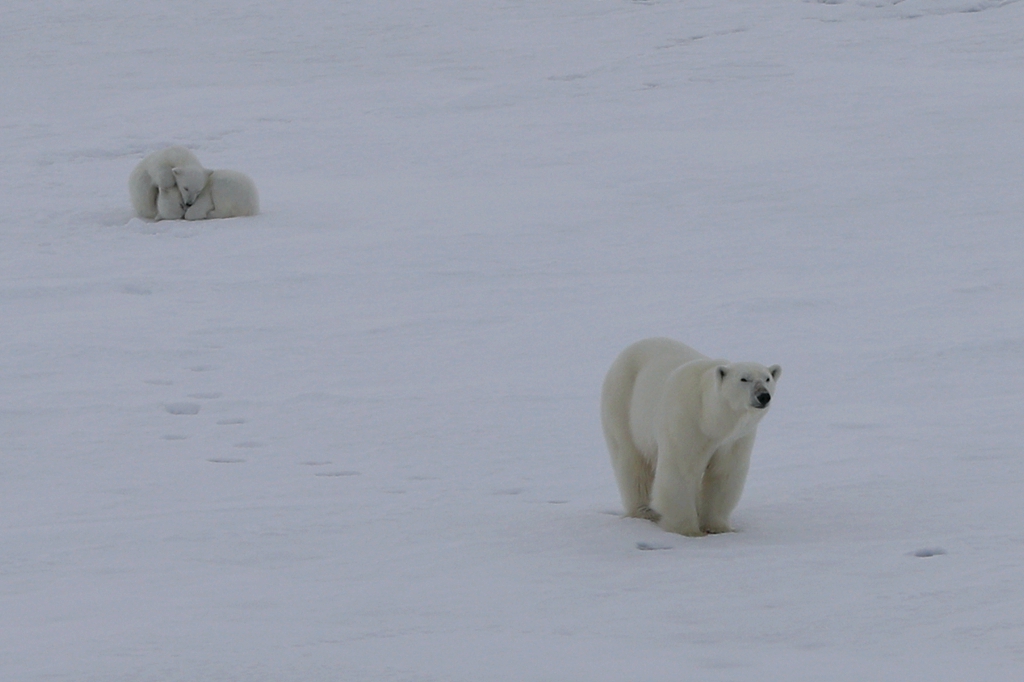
<point>645,512</point>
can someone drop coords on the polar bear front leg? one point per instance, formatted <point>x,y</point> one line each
<point>723,484</point>
<point>674,497</point>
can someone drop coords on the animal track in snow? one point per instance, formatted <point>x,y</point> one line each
<point>315,463</point>
<point>925,552</point>
<point>334,474</point>
<point>232,421</point>
<point>136,290</point>
<point>225,460</point>
<point>158,382</point>
<point>174,436</point>
<point>649,546</point>
<point>182,408</point>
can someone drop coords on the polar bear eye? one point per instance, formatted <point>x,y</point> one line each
<point>745,380</point>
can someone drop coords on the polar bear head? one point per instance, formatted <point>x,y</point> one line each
<point>747,385</point>
<point>190,180</point>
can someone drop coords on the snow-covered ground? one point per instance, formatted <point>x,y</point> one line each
<point>356,437</point>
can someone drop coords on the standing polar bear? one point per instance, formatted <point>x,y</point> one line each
<point>680,427</point>
<point>164,182</point>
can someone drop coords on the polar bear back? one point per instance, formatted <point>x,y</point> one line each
<point>159,164</point>
<point>657,360</point>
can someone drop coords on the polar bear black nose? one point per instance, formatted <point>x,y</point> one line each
<point>763,398</point>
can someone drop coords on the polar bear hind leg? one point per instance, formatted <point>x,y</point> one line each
<point>634,473</point>
<point>635,476</point>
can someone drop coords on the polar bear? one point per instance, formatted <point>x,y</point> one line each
<point>169,204</point>
<point>680,427</point>
<point>156,172</point>
<point>226,194</point>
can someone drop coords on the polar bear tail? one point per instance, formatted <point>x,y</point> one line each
<point>633,472</point>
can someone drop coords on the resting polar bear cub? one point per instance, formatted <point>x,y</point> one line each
<point>226,194</point>
<point>151,182</point>
<point>680,427</point>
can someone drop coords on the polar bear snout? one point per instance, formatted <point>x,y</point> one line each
<point>762,399</point>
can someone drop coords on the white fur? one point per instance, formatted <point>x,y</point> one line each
<point>157,171</point>
<point>169,205</point>
<point>227,194</point>
<point>680,428</point>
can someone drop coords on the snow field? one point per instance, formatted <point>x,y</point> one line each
<point>356,437</point>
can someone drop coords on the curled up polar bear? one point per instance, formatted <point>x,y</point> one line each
<point>171,184</point>
<point>164,183</point>
<point>680,428</point>
<point>225,194</point>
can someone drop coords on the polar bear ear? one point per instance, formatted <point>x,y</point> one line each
<point>776,372</point>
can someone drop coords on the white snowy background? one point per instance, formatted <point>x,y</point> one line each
<point>356,437</point>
